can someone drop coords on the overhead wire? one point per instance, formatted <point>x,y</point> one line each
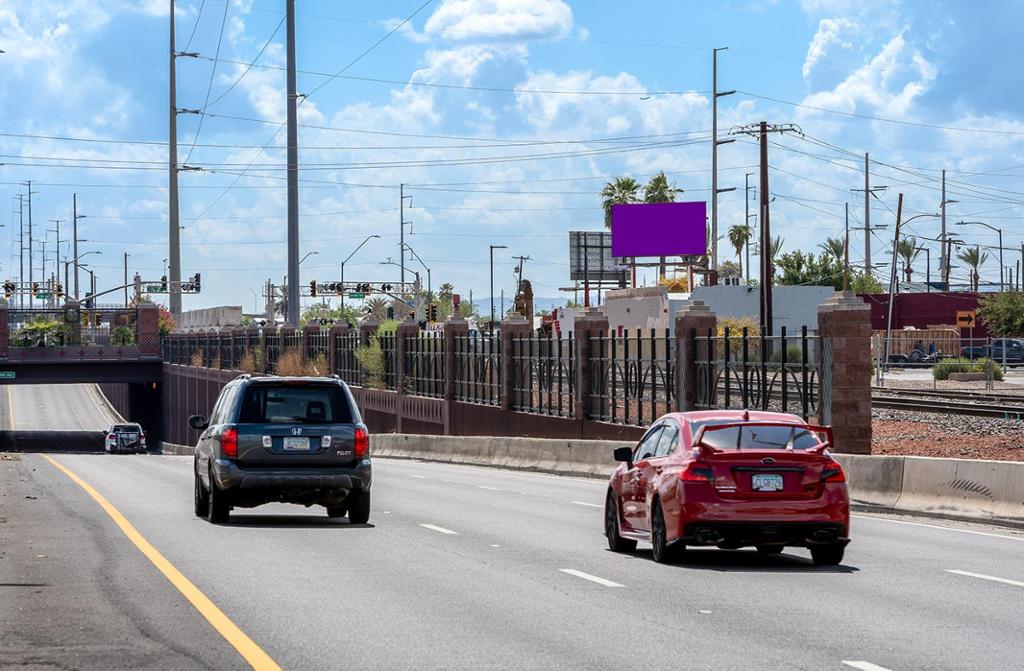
<point>209,87</point>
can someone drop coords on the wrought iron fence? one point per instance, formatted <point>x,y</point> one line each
<point>477,371</point>
<point>272,347</point>
<point>49,327</point>
<point>388,345</point>
<point>346,362</point>
<point>632,376</point>
<point>424,364</point>
<point>318,344</point>
<point>778,373</point>
<point>543,374</point>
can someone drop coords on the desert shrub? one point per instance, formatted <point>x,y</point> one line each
<point>942,369</point>
<point>123,335</point>
<point>217,363</point>
<point>794,354</point>
<point>371,360</point>
<point>197,359</point>
<point>249,361</point>
<point>289,362</point>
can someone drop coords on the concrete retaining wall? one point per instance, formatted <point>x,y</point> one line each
<point>990,491</point>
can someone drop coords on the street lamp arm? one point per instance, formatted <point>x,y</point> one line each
<point>368,238</point>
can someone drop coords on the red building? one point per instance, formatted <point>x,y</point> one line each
<point>922,310</point>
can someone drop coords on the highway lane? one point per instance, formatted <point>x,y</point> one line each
<point>465,567</point>
<point>45,417</point>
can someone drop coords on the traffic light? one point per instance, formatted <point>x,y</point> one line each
<point>195,281</point>
<point>35,288</point>
<point>8,288</point>
<point>391,312</point>
<point>432,312</point>
<point>97,318</point>
<point>386,287</point>
<point>59,290</point>
<point>312,288</point>
<point>163,284</point>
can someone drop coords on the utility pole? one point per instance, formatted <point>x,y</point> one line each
<point>746,221</point>
<point>942,236</point>
<point>173,221</point>
<point>892,278</point>
<point>126,279</point>
<point>31,298</point>
<point>293,175</point>
<point>519,282</point>
<point>761,130</point>
<point>21,248</point>
<point>846,252</point>
<point>867,217</point>
<point>402,223</point>
<point>74,234</point>
<point>715,95</point>
<point>491,327</point>
<point>56,223</point>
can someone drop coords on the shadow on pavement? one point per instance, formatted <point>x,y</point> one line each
<point>748,561</point>
<point>294,522</point>
<point>51,441</point>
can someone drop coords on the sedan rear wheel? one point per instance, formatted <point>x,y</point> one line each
<point>616,543</point>
<point>828,555</point>
<point>336,511</point>
<point>663,552</point>
<point>201,497</point>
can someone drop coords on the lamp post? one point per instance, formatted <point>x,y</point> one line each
<point>1002,284</point>
<point>492,248</point>
<point>368,238</point>
<point>429,286</point>
<point>74,238</point>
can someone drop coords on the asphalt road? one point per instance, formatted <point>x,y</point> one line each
<point>465,567</point>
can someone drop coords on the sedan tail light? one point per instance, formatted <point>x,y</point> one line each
<point>833,472</point>
<point>362,443</point>
<point>697,472</point>
<point>111,436</point>
<point>229,442</point>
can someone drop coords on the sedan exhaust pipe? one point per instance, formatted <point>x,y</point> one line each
<point>708,537</point>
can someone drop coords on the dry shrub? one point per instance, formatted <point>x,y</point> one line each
<point>216,363</point>
<point>248,362</point>
<point>197,359</point>
<point>317,366</point>
<point>291,362</point>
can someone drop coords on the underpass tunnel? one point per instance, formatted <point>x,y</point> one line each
<point>68,417</point>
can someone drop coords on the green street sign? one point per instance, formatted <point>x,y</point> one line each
<point>152,288</point>
<point>357,295</point>
<point>7,375</point>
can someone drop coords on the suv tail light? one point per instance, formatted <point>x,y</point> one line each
<point>833,472</point>
<point>229,442</point>
<point>697,472</point>
<point>362,443</point>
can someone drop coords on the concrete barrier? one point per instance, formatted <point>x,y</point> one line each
<point>987,491</point>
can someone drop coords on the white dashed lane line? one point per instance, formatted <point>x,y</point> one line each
<point>490,489</point>
<point>865,666</point>
<point>982,576</point>
<point>440,530</point>
<point>592,578</point>
<point>589,505</point>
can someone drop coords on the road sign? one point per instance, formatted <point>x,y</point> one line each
<point>153,288</point>
<point>357,295</point>
<point>7,374</point>
<point>965,319</point>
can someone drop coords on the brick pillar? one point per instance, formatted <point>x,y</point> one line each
<point>513,326</point>
<point>455,326</point>
<point>590,323</point>
<point>367,328</point>
<point>5,331</point>
<point>844,325</point>
<point>695,315</point>
<point>405,329</point>
<point>336,331</point>
<point>147,328</point>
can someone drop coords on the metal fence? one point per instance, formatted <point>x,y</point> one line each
<point>543,375</point>
<point>424,364</point>
<point>477,373</point>
<point>347,363</point>
<point>48,327</point>
<point>632,376</point>
<point>388,345</point>
<point>740,371</point>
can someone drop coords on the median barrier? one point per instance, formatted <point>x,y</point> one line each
<point>985,491</point>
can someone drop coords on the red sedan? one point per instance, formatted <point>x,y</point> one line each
<point>729,479</point>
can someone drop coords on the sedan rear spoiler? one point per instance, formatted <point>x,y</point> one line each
<point>698,441</point>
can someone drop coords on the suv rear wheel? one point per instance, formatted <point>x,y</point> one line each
<point>218,509</point>
<point>358,507</point>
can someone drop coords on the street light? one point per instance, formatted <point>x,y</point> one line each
<point>492,248</point>
<point>416,274</point>
<point>368,238</point>
<point>308,254</point>
<point>429,287</point>
<point>1000,232</point>
<point>78,265</point>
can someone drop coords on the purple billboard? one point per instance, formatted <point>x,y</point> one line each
<point>659,229</point>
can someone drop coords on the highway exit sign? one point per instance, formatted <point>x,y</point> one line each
<point>7,375</point>
<point>152,288</point>
<point>357,295</point>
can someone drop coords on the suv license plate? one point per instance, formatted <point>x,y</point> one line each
<point>293,444</point>
<point>767,482</point>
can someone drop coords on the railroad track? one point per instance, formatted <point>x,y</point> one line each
<point>978,395</point>
<point>950,407</point>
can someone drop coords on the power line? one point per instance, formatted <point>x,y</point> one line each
<point>209,86</point>
<point>195,25</point>
<point>248,67</point>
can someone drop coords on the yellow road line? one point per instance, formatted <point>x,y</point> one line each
<point>246,647</point>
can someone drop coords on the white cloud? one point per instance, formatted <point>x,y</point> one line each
<point>500,19</point>
<point>830,32</point>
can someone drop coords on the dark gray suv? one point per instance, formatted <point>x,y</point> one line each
<point>289,439</point>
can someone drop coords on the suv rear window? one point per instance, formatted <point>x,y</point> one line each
<point>756,437</point>
<point>291,404</point>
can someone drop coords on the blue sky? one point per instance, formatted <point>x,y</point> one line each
<point>474,92</point>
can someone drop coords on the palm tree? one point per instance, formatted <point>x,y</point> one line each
<point>378,307</point>
<point>835,247</point>
<point>658,190</point>
<point>907,250</point>
<point>620,191</point>
<point>776,249</point>
<point>975,258</point>
<point>739,236</point>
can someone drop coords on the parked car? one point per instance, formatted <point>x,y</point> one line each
<point>729,479</point>
<point>126,438</point>
<point>1009,349</point>
<point>289,439</point>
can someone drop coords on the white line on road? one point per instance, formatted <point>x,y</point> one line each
<point>937,526</point>
<point>421,477</point>
<point>591,578</point>
<point>865,666</point>
<point>440,530</point>
<point>589,505</point>
<point>1005,581</point>
<point>490,489</point>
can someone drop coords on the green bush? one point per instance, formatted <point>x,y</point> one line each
<point>371,360</point>
<point>38,333</point>
<point>942,369</point>
<point>794,354</point>
<point>123,335</point>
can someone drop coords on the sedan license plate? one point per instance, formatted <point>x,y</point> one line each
<point>293,444</point>
<point>767,482</point>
